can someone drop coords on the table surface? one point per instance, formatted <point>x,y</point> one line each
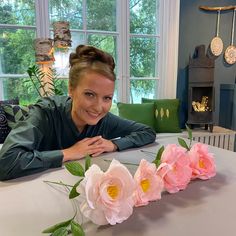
<point>28,205</point>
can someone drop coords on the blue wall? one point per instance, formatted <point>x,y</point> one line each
<point>199,27</point>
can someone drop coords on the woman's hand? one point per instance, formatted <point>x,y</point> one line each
<point>89,146</point>
<point>104,146</point>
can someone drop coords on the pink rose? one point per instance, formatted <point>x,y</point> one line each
<point>175,168</point>
<point>202,162</point>
<point>149,185</point>
<point>107,197</point>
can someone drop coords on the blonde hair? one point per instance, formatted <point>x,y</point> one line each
<point>90,59</point>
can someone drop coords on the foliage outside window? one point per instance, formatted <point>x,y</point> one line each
<point>90,23</point>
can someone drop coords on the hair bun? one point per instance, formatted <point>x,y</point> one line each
<point>91,54</point>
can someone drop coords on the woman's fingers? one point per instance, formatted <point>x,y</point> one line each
<point>93,140</point>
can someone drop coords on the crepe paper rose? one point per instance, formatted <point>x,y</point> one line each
<point>201,162</point>
<point>107,197</point>
<point>175,168</point>
<point>148,185</point>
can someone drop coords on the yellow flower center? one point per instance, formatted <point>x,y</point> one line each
<point>174,168</point>
<point>201,164</point>
<point>113,191</point>
<point>145,184</point>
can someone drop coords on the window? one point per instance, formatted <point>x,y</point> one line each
<point>17,31</point>
<point>141,35</point>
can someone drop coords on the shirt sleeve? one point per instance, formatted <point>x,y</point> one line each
<point>21,153</point>
<point>129,134</point>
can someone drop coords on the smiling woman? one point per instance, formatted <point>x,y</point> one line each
<point>61,128</point>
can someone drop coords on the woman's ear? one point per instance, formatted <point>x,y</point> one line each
<point>70,91</point>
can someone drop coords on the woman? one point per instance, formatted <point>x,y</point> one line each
<point>60,129</point>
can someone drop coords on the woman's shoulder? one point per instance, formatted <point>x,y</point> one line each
<point>53,102</point>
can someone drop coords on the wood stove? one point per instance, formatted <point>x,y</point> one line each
<point>201,89</point>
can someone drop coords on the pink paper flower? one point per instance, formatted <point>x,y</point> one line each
<point>202,162</point>
<point>175,168</point>
<point>107,197</point>
<point>149,185</point>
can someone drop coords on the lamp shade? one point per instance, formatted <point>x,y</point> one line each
<point>62,35</point>
<point>44,50</point>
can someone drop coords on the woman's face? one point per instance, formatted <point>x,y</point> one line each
<point>92,99</point>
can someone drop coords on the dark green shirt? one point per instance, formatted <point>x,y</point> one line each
<point>35,144</point>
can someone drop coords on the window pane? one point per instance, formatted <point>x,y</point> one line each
<point>61,63</point>
<point>102,15</point>
<point>16,50</point>
<point>19,87</point>
<point>18,12</point>
<point>143,16</point>
<point>114,108</point>
<point>104,42</point>
<point>142,88</point>
<point>24,89</point>
<point>70,10</point>
<point>143,57</point>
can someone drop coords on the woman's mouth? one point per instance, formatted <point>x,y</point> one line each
<point>93,115</point>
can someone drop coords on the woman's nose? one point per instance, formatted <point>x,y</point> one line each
<point>98,105</point>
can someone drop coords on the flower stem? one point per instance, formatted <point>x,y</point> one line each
<point>124,163</point>
<point>59,183</point>
<point>148,152</point>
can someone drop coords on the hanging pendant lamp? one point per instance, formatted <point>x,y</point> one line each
<point>44,50</point>
<point>62,35</point>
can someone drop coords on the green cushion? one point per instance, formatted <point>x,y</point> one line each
<point>15,113</point>
<point>166,115</point>
<point>141,113</point>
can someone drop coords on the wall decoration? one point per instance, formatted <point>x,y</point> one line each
<point>230,52</point>
<point>217,43</point>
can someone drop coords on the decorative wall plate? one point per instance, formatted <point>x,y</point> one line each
<point>217,43</point>
<point>216,46</point>
<point>230,54</point>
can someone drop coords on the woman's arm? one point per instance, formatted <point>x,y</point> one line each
<point>22,152</point>
<point>129,133</point>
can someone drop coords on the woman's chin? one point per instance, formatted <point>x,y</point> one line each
<point>93,121</point>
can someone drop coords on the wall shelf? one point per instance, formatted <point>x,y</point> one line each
<point>224,8</point>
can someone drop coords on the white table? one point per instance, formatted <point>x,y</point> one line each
<point>28,205</point>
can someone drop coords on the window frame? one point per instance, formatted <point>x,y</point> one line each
<point>168,44</point>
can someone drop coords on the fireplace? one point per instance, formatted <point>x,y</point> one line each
<point>201,89</point>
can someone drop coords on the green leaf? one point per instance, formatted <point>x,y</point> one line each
<point>190,135</point>
<point>55,227</point>
<point>183,143</point>
<point>157,161</point>
<point>159,153</point>
<point>73,192</point>
<point>75,168</point>
<point>87,162</point>
<point>76,229</point>
<point>60,232</point>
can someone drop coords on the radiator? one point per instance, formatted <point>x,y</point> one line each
<point>220,137</point>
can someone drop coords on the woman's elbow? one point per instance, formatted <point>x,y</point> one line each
<point>152,134</point>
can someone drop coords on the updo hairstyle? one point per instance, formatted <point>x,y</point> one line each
<point>90,59</point>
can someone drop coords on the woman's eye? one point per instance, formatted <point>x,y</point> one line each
<point>108,98</point>
<point>89,94</point>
